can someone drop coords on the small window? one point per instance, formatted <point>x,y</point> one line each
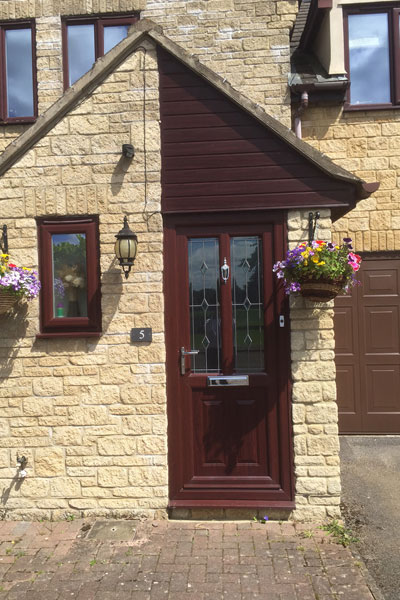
<point>18,74</point>
<point>84,40</point>
<point>69,272</point>
<point>372,57</point>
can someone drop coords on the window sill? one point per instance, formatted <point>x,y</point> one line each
<point>369,107</point>
<point>19,121</point>
<point>69,334</point>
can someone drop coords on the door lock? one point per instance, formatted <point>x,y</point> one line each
<point>281,321</point>
<point>186,353</point>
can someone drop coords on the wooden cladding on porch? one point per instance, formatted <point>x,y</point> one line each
<point>215,156</point>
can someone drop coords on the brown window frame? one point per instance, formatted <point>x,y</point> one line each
<point>4,26</point>
<point>99,22</point>
<point>393,13</point>
<point>89,326</point>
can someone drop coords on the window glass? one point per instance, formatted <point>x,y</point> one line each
<point>69,275</point>
<point>19,76</point>
<point>369,59</point>
<point>113,34</point>
<point>81,50</point>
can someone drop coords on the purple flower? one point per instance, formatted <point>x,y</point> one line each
<point>265,517</point>
<point>23,282</point>
<point>347,240</point>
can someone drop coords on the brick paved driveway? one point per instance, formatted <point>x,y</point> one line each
<point>128,560</point>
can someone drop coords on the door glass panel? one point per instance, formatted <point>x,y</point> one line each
<point>247,304</point>
<point>113,34</point>
<point>19,73</point>
<point>81,54</point>
<point>205,325</point>
<point>69,275</point>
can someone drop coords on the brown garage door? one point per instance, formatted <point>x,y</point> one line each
<point>368,350</point>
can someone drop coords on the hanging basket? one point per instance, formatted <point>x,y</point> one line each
<point>7,300</point>
<point>319,291</point>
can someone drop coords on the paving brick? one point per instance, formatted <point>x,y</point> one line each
<point>92,569</point>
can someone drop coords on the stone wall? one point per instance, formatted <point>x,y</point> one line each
<point>90,415</point>
<point>245,41</point>
<point>366,143</point>
<point>315,429</point>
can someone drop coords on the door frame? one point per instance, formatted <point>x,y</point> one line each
<point>171,222</point>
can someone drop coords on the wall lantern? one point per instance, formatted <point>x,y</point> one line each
<point>4,240</point>
<point>126,247</point>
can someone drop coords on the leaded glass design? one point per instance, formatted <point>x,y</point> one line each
<point>205,320</point>
<point>247,304</point>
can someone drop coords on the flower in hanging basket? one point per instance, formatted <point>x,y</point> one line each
<point>18,281</point>
<point>320,270</point>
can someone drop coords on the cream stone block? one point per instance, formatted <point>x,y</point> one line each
<point>116,446</point>
<point>137,394</point>
<point>47,386</point>
<point>67,436</point>
<point>311,485</point>
<point>112,477</point>
<point>325,412</point>
<point>311,371</point>
<point>324,445</point>
<point>115,374</point>
<point>88,415</point>
<point>65,487</point>
<point>34,488</point>
<point>137,425</point>
<point>152,444</point>
<point>38,406</point>
<point>49,462</point>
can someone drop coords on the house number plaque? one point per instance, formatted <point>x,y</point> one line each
<point>141,334</point>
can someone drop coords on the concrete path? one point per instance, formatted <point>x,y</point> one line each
<point>128,560</point>
<point>371,498</point>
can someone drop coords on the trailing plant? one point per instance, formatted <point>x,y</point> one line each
<point>320,261</point>
<point>20,281</point>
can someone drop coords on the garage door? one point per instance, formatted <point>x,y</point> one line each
<point>368,350</point>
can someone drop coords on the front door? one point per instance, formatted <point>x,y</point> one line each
<point>227,362</point>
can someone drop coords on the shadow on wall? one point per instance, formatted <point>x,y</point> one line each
<point>16,482</point>
<point>13,327</point>
<point>118,176</point>
<point>111,291</point>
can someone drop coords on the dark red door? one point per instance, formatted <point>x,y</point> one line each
<point>367,334</point>
<point>229,432</point>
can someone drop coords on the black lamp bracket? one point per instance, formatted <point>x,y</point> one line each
<point>312,225</point>
<point>4,240</point>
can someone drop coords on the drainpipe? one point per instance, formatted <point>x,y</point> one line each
<point>298,113</point>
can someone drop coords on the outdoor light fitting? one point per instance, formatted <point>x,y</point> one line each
<point>126,248</point>
<point>128,151</point>
<point>4,240</point>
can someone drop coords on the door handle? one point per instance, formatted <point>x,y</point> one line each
<point>186,353</point>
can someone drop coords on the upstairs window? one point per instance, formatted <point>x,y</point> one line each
<point>372,57</point>
<point>18,72</point>
<point>85,40</point>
